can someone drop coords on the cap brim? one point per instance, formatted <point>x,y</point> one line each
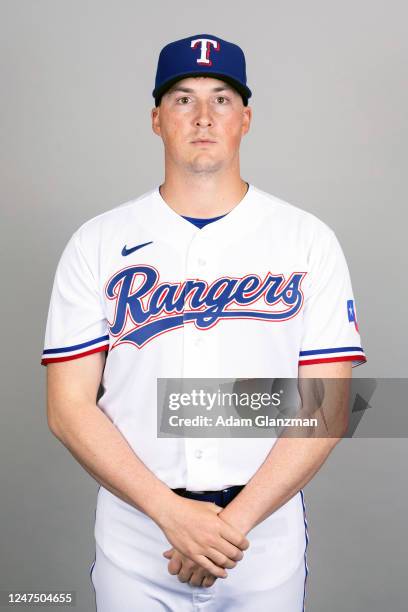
<point>242,89</point>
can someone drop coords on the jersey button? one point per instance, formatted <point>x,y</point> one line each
<point>198,453</point>
<point>201,261</point>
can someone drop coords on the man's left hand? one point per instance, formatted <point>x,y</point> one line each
<point>186,570</point>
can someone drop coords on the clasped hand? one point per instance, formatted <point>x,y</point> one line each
<point>203,544</point>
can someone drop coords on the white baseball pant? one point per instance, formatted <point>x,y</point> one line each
<point>131,575</point>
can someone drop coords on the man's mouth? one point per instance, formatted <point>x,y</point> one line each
<point>203,141</point>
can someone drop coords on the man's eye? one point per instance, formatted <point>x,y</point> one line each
<point>223,98</point>
<point>183,98</point>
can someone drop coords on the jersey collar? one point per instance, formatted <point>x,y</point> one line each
<point>174,224</point>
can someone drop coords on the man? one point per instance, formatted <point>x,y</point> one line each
<point>204,276</point>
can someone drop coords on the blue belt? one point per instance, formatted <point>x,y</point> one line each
<point>221,498</point>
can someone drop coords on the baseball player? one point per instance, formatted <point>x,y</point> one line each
<point>204,276</point>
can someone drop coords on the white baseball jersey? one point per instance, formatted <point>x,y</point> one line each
<point>255,294</point>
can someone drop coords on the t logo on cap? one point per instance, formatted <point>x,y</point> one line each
<point>204,59</point>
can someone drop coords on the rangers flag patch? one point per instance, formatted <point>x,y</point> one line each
<point>352,313</point>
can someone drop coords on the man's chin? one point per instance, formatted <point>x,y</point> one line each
<point>202,166</point>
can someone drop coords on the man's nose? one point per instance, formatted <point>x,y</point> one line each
<point>204,116</point>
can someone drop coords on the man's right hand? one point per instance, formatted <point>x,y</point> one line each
<point>195,529</point>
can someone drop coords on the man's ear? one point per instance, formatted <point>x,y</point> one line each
<point>155,114</point>
<point>247,118</point>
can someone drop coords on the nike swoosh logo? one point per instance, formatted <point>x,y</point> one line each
<point>126,251</point>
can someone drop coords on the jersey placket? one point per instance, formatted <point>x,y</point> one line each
<point>200,359</point>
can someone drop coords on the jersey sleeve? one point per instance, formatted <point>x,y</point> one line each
<point>76,324</point>
<point>330,329</point>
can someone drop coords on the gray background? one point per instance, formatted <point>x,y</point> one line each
<point>329,135</point>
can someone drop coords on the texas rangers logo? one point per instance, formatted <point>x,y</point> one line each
<point>205,45</point>
<point>146,308</point>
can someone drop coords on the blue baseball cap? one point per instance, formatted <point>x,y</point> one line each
<point>201,55</point>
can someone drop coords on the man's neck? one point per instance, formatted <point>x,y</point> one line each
<point>203,197</point>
